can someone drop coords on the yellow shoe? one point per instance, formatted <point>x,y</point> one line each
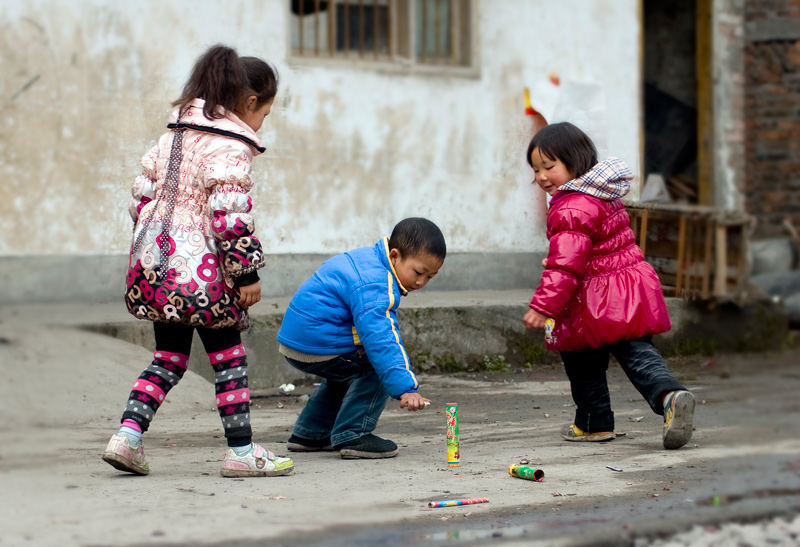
<point>678,418</point>
<point>576,434</point>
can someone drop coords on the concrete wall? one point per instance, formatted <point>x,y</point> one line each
<point>87,84</point>
<point>475,330</point>
<point>728,90</point>
<point>100,279</point>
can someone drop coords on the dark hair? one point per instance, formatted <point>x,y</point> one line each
<point>222,78</point>
<point>415,236</point>
<point>566,143</point>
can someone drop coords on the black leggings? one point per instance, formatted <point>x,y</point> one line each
<point>227,357</point>
<point>177,337</point>
<point>586,370</point>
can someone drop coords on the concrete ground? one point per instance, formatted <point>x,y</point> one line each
<point>64,391</point>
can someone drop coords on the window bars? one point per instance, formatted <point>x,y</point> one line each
<point>430,32</point>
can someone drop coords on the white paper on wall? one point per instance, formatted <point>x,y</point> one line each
<point>583,104</point>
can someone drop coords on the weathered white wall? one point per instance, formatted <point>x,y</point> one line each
<point>87,84</point>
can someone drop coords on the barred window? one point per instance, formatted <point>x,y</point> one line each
<point>425,32</point>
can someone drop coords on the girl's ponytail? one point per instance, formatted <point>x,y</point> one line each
<point>218,77</point>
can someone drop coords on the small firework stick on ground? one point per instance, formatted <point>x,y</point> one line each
<point>453,452</point>
<point>526,472</point>
<point>453,503</point>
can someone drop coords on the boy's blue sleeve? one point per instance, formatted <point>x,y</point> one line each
<point>373,307</point>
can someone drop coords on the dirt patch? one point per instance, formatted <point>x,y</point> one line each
<point>65,390</point>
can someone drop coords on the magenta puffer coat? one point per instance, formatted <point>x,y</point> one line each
<point>596,284</point>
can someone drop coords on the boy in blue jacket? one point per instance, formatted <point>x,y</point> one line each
<point>341,324</point>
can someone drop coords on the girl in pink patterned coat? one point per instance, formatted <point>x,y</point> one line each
<point>194,255</point>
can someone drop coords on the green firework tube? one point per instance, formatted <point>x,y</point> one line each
<point>453,452</point>
<point>526,472</point>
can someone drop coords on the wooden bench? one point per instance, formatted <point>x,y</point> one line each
<point>698,252</point>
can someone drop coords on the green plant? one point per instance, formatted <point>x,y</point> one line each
<point>497,363</point>
<point>535,353</point>
<point>790,341</point>
<point>692,346</point>
<point>447,363</point>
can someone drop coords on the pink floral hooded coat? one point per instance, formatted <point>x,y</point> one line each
<point>212,242</point>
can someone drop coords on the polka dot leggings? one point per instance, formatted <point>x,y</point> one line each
<point>229,360</point>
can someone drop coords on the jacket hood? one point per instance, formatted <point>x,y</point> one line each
<point>229,125</point>
<point>608,180</point>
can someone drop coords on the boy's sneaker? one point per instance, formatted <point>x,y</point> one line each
<point>256,463</point>
<point>368,446</point>
<point>120,454</point>
<point>678,417</point>
<point>299,444</point>
<point>576,434</point>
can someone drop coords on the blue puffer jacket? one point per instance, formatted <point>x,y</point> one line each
<point>350,302</point>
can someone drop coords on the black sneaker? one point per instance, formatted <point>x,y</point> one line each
<point>368,446</point>
<point>299,444</point>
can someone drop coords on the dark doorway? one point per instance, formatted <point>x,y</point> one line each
<point>671,96</point>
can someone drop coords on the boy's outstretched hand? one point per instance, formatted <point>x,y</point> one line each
<point>414,401</point>
<point>534,320</point>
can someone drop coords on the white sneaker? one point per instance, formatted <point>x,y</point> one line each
<point>256,463</point>
<point>120,454</point>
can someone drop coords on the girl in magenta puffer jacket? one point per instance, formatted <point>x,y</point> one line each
<point>597,295</point>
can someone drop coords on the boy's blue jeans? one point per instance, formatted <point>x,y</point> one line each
<point>586,370</point>
<point>348,402</point>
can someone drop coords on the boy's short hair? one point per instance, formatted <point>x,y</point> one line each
<point>566,143</point>
<point>414,236</point>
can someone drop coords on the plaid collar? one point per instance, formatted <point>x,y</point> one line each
<point>608,180</point>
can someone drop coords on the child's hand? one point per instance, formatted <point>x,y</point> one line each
<point>534,320</point>
<point>544,262</point>
<point>414,401</point>
<point>249,294</point>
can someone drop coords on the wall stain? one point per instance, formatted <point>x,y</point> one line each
<point>21,90</point>
<point>70,144</point>
<point>86,92</point>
